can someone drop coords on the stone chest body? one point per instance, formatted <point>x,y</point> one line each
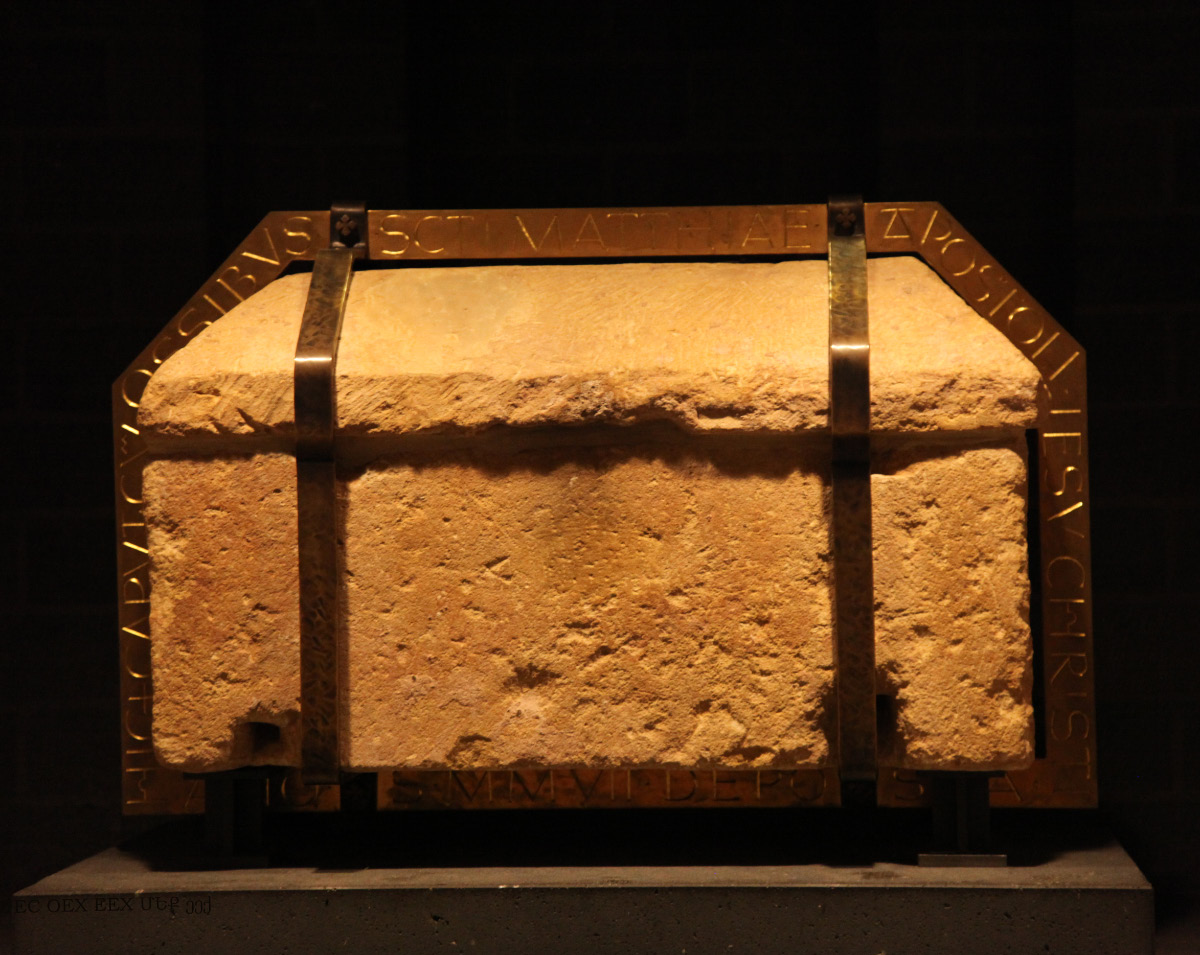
<point>584,521</point>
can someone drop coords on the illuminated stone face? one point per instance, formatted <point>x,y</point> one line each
<point>585,522</point>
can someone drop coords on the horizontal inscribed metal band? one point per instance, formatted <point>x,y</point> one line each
<point>316,413</point>
<point>849,417</point>
<point>596,233</point>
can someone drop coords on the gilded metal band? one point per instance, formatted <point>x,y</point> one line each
<point>850,421</point>
<point>316,359</point>
<point>559,787</point>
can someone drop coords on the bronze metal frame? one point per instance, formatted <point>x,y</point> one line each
<point>1065,776</point>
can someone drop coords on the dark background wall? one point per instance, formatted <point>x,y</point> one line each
<point>142,141</point>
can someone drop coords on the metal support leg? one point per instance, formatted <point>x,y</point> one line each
<point>234,810</point>
<point>961,822</point>
<point>359,791</point>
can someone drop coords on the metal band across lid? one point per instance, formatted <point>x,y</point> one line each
<point>316,416</point>
<point>850,422</point>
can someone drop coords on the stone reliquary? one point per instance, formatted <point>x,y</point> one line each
<point>583,520</point>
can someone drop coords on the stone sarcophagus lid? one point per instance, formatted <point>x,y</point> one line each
<point>583,516</point>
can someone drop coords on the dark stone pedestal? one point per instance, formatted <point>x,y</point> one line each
<point>1085,898</point>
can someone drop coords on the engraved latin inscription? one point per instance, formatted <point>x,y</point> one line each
<point>570,786</point>
<point>583,232</point>
<point>1068,651</point>
<point>981,281</point>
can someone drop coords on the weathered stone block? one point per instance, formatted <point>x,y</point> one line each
<point>521,590</point>
<point>711,346</point>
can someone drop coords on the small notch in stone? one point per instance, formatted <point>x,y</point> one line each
<point>263,735</point>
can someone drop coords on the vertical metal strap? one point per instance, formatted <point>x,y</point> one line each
<point>850,422</point>
<point>316,415</point>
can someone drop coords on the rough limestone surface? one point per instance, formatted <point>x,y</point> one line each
<point>952,637</point>
<point>224,617</point>
<point>624,606</point>
<point>521,590</point>
<point>619,604</point>
<point>710,346</point>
